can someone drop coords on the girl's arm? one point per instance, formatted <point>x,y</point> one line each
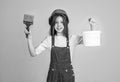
<point>34,51</point>
<point>79,39</point>
<point>45,44</point>
<point>30,46</point>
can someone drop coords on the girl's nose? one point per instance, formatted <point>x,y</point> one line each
<point>59,24</point>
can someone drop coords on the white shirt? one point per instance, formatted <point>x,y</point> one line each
<point>60,41</point>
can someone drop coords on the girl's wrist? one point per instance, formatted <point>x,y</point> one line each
<point>28,36</point>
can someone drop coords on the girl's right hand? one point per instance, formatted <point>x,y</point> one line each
<point>27,33</point>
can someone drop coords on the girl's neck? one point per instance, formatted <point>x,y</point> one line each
<point>59,34</point>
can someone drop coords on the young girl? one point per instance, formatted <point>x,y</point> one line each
<point>61,45</point>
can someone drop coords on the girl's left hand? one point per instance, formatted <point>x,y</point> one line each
<point>92,23</point>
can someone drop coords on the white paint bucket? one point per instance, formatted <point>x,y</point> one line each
<point>92,38</point>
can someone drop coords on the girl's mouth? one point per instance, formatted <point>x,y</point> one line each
<point>59,28</point>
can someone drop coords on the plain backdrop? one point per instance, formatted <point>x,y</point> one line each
<point>91,64</point>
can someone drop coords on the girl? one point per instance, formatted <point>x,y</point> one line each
<point>61,45</point>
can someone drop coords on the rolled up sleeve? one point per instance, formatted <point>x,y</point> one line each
<point>78,39</point>
<point>45,44</point>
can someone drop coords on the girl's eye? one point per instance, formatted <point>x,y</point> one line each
<point>56,22</point>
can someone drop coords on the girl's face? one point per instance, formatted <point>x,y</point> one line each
<point>59,27</point>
